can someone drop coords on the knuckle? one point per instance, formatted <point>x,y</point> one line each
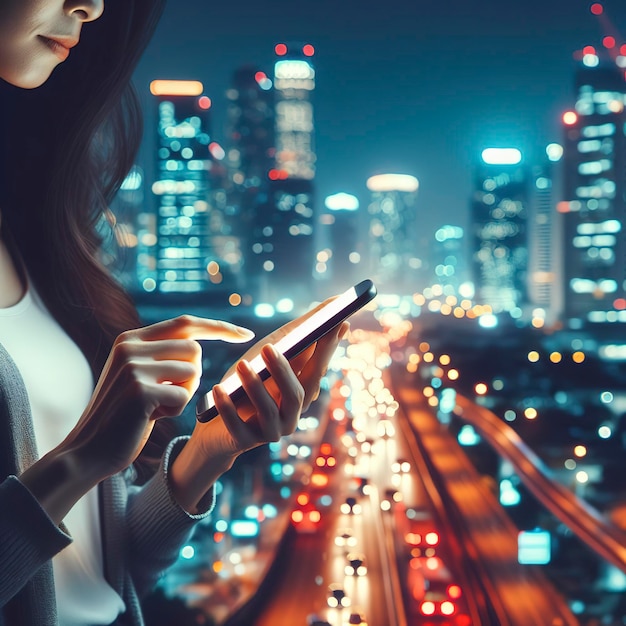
<point>192,371</point>
<point>180,395</point>
<point>184,320</point>
<point>194,348</point>
<point>300,395</point>
<point>136,388</point>
<point>183,398</point>
<point>125,336</point>
<point>133,380</point>
<point>125,369</point>
<point>122,350</point>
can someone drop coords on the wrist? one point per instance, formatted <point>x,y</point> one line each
<point>194,471</point>
<point>58,480</point>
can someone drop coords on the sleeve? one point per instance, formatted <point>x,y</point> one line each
<point>156,525</point>
<point>28,537</point>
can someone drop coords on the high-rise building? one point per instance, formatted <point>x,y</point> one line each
<point>250,158</point>
<point>271,164</point>
<point>393,248</point>
<point>122,252</point>
<point>447,258</point>
<point>544,237</point>
<point>499,212</point>
<point>341,259</point>
<point>294,83</point>
<point>194,247</point>
<point>594,202</point>
<point>282,235</point>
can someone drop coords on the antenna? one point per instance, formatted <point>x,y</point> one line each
<point>612,40</point>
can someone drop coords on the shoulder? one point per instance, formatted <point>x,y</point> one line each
<point>9,373</point>
<point>14,401</point>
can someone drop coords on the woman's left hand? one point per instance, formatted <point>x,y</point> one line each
<point>272,408</point>
<point>270,411</point>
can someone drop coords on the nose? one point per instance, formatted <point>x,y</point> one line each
<point>84,10</point>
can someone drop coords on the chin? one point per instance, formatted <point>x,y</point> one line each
<point>26,80</point>
<point>33,83</point>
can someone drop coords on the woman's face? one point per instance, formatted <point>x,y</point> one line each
<point>36,35</point>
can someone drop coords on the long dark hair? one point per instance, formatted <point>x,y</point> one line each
<point>68,146</point>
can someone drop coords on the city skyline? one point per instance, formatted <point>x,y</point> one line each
<point>529,344</point>
<point>380,99</point>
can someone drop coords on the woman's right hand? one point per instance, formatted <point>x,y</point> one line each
<point>151,373</point>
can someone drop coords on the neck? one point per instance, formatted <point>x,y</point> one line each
<point>12,280</point>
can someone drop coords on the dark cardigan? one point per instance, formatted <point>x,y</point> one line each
<point>142,527</point>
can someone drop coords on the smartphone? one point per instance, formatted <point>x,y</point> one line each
<point>297,340</point>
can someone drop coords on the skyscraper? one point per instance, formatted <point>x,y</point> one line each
<point>499,213</point>
<point>123,257</point>
<point>594,204</point>
<point>393,253</point>
<point>194,247</point>
<point>250,158</point>
<point>282,235</point>
<point>271,164</point>
<point>447,258</point>
<point>341,260</point>
<point>545,237</point>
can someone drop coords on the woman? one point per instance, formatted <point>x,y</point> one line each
<point>82,398</point>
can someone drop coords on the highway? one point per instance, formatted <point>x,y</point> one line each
<point>393,503</point>
<point>311,561</point>
<point>592,527</point>
<point>480,541</point>
<point>519,594</point>
<point>410,480</point>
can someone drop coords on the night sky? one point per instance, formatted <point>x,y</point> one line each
<point>412,86</point>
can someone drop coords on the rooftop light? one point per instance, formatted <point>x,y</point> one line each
<point>392,182</point>
<point>501,156</point>
<point>342,201</point>
<point>176,88</point>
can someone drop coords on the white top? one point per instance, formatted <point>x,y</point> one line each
<point>59,385</point>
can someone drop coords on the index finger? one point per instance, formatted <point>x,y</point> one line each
<point>194,327</point>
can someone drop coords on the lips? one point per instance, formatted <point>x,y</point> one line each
<point>60,46</point>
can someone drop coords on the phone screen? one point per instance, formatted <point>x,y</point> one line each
<point>310,330</point>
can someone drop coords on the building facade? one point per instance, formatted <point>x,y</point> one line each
<point>341,261</point>
<point>594,203</point>
<point>447,258</point>
<point>282,233</point>
<point>499,212</point>
<point>182,248</point>
<point>250,158</point>
<point>545,239</point>
<point>393,239</point>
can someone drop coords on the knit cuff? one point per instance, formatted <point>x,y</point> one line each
<point>158,492</point>
<point>28,532</point>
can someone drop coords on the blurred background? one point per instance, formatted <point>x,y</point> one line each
<point>465,462</point>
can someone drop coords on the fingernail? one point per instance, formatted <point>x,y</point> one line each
<point>217,390</point>
<point>244,365</point>
<point>271,348</point>
<point>344,332</point>
<point>245,332</point>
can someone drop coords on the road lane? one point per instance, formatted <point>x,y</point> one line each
<point>526,594</point>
